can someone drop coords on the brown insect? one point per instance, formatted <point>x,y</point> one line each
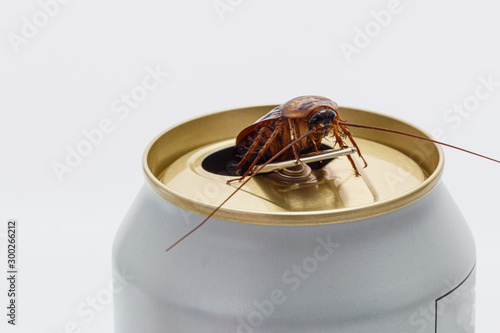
<point>285,124</point>
<point>291,128</point>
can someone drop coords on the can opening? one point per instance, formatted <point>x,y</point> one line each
<point>220,162</point>
<point>223,162</point>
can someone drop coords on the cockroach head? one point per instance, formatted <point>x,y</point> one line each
<point>323,116</point>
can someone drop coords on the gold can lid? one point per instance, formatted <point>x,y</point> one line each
<point>400,171</point>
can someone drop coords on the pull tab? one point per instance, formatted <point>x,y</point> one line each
<point>292,167</point>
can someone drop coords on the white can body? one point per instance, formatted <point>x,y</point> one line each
<point>411,270</point>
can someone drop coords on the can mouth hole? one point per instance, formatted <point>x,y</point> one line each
<point>223,162</point>
<point>220,162</point>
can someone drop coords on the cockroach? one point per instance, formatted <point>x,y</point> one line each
<point>284,124</point>
<point>294,127</point>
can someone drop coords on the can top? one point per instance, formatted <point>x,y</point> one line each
<point>181,166</point>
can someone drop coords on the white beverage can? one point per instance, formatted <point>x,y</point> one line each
<point>388,251</point>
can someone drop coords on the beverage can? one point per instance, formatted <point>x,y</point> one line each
<point>319,251</point>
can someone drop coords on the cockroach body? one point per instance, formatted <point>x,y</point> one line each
<point>285,124</point>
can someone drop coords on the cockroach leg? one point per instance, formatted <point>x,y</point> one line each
<point>293,137</point>
<point>348,133</point>
<point>262,151</point>
<point>252,148</point>
<point>343,145</point>
<point>316,146</point>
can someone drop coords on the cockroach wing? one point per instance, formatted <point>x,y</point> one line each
<point>273,114</point>
<point>302,107</point>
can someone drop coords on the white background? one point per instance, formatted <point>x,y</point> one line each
<point>71,74</point>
